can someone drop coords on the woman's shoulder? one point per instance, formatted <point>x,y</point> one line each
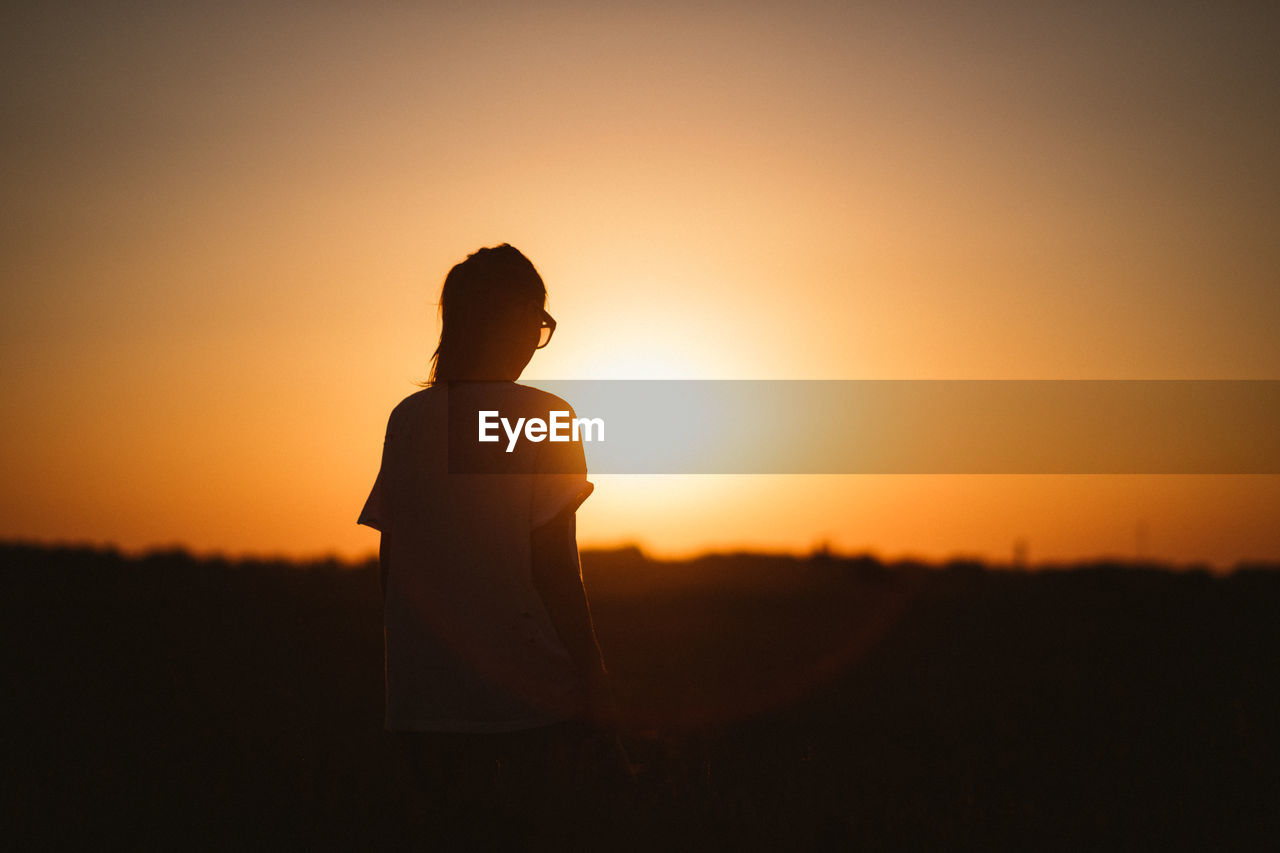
<point>418,398</point>
<point>508,397</point>
<point>416,403</point>
<point>535,399</point>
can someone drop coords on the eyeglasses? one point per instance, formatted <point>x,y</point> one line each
<point>546,328</point>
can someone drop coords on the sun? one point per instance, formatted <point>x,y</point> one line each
<point>646,364</point>
<point>630,356</point>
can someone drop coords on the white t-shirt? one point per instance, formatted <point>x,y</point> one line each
<point>469,644</point>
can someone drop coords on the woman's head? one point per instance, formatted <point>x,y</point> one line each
<point>490,313</point>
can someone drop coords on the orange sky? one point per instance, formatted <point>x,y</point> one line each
<point>223,229</point>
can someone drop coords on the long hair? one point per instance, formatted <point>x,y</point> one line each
<point>475,292</point>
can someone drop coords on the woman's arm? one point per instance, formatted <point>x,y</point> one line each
<point>384,562</point>
<point>558,578</point>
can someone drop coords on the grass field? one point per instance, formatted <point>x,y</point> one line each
<point>771,703</point>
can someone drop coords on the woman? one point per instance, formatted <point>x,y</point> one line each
<point>493,673</point>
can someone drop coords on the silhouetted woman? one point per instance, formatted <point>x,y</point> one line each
<point>493,673</point>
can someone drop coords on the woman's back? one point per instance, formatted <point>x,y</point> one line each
<point>469,643</point>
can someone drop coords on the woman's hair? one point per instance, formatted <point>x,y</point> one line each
<point>476,296</point>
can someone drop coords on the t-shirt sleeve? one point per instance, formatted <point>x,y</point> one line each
<point>560,480</point>
<point>374,512</point>
<point>371,515</point>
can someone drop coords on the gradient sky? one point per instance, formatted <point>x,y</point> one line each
<point>224,228</point>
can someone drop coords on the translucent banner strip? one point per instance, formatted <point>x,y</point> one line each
<point>893,427</point>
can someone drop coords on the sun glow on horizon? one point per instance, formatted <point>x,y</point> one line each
<point>639,361</point>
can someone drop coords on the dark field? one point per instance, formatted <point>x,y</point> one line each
<point>772,703</point>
